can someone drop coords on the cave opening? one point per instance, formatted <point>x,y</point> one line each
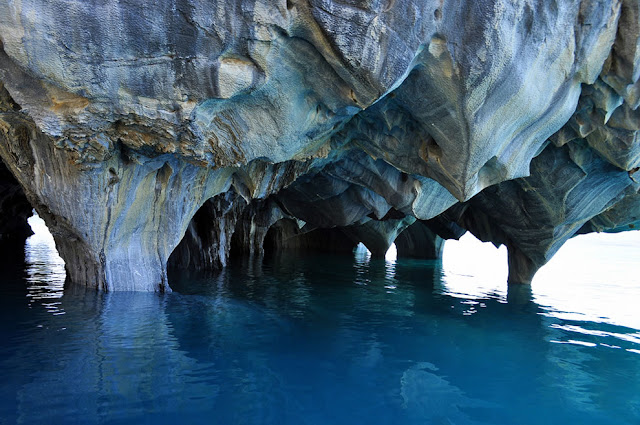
<point>286,236</point>
<point>471,266</point>
<point>46,274</point>
<point>362,252</point>
<point>281,236</point>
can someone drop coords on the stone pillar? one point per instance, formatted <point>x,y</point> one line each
<point>116,219</point>
<point>521,268</point>
<point>252,227</point>
<point>418,241</point>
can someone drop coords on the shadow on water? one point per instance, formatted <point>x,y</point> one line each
<point>307,339</point>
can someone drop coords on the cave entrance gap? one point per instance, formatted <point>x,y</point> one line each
<point>45,268</point>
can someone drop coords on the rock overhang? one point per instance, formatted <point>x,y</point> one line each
<point>340,113</point>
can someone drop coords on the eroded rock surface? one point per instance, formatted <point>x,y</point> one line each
<point>188,132</point>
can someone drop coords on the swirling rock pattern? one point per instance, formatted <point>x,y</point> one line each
<point>186,131</point>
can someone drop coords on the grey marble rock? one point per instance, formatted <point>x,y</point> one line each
<point>622,216</point>
<point>182,133</point>
<point>534,216</point>
<point>207,242</point>
<point>378,235</point>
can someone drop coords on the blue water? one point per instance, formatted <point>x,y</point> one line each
<point>328,340</point>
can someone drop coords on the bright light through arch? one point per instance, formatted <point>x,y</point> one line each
<point>45,269</point>
<point>361,251</point>
<point>392,253</point>
<point>592,277</point>
<point>474,268</point>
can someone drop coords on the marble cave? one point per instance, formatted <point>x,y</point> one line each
<point>184,133</point>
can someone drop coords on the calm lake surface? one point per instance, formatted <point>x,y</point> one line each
<point>332,340</point>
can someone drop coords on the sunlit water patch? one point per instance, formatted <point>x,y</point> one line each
<point>320,340</point>
<point>573,283</point>
<point>593,280</point>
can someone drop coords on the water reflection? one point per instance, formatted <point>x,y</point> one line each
<point>430,397</point>
<point>415,355</point>
<point>111,357</point>
<point>362,263</point>
<point>303,340</point>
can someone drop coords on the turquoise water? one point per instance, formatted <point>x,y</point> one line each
<point>330,340</point>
